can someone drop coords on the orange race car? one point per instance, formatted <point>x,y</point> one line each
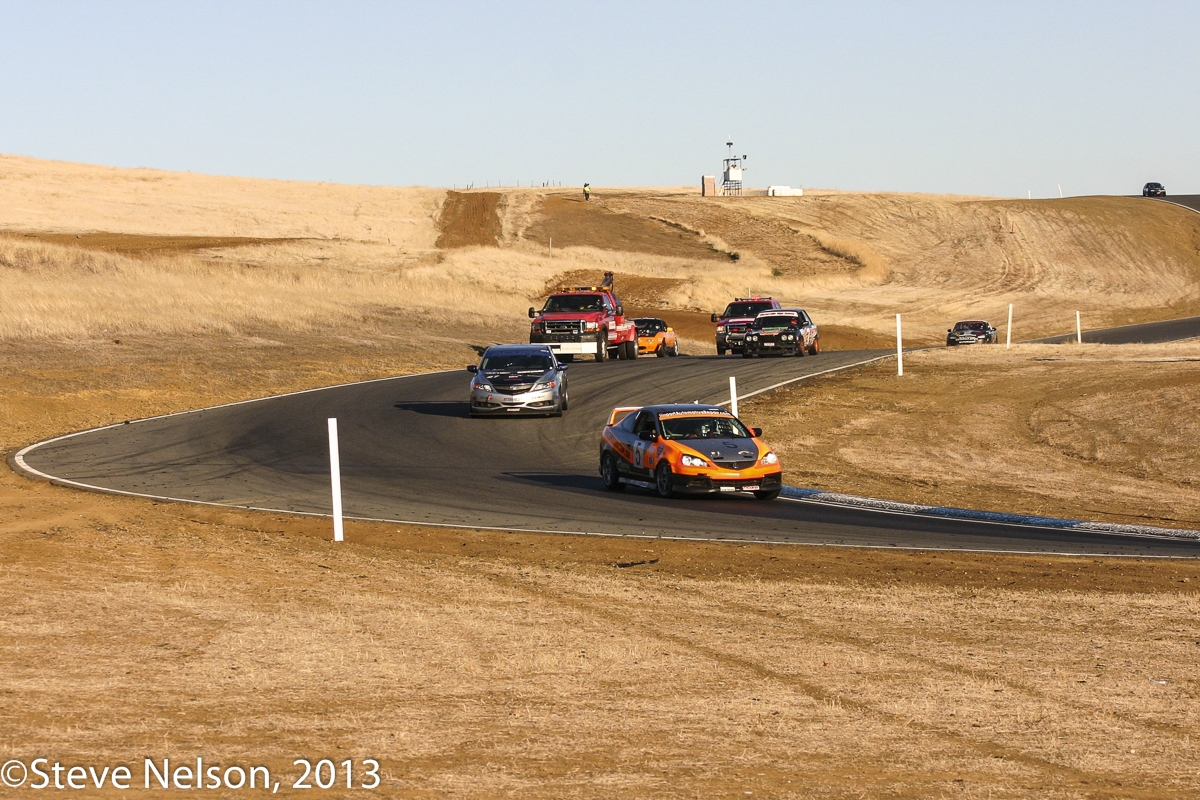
<point>686,449</point>
<point>654,336</point>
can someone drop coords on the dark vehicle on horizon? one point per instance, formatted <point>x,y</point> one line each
<point>970,331</point>
<point>1154,189</point>
<point>518,379</point>
<point>733,322</point>
<point>783,332</point>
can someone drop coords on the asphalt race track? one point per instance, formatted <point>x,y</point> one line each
<point>1170,330</point>
<point>410,453</point>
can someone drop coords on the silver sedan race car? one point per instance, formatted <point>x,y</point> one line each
<point>518,379</point>
<point>970,331</point>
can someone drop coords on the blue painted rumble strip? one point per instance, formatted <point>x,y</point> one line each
<point>896,507</point>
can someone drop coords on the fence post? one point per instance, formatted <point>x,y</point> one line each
<point>899,348</point>
<point>733,395</point>
<point>335,474</point>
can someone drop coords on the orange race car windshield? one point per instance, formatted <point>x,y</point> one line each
<point>703,428</point>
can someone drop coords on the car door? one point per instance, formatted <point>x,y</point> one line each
<point>643,450</point>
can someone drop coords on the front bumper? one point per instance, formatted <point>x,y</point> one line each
<point>707,484</point>
<point>541,402</point>
<point>572,348</point>
<point>789,348</point>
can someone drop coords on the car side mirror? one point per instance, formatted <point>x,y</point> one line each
<point>949,331</point>
<point>648,436</point>
<point>472,369</point>
<point>715,319</point>
<point>532,312</point>
<point>562,367</point>
<point>620,310</point>
<point>756,431</point>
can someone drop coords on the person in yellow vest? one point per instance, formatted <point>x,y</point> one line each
<point>587,191</point>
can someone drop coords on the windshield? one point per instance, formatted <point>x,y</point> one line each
<point>574,302</point>
<point>517,363</point>
<point>649,327</point>
<point>775,322</point>
<point>971,326</point>
<point>703,428</point>
<point>746,309</point>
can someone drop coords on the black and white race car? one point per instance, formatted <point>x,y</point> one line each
<point>783,332</point>
<point>970,331</point>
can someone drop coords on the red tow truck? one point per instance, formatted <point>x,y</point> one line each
<point>584,320</point>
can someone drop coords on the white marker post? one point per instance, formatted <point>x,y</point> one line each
<point>335,474</point>
<point>899,348</point>
<point>733,395</point>
<point>1078,330</point>
<point>1008,333</point>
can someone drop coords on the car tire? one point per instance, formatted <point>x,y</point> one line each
<point>816,347</point>
<point>674,350</point>
<point>661,352</point>
<point>566,400</point>
<point>662,479</point>
<point>747,354</point>
<point>631,350</point>
<point>601,346</point>
<point>766,494</point>
<point>720,350</point>
<point>609,473</point>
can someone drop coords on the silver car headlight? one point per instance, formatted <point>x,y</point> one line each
<point>542,386</point>
<point>769,458</point>
<point>694,461</point>
<point>484,386</point>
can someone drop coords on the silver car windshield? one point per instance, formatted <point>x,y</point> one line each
<point>704,428</point>
<point>517,363</point>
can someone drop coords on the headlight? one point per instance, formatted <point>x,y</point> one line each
<point>542,386</point>
<point>536,327</point>
<point>694,461</point>
<point>788,337</point>
<point>769,458</point>
<point>484,386</point>
<point>720,329</point>
<point>591,326</point>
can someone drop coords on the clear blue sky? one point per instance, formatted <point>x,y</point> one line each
<point>960,97</point>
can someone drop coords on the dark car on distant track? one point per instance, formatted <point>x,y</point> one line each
<point>1153,189</point>
<point>970,331</point>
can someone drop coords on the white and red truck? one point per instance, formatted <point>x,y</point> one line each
<point>584,320</point>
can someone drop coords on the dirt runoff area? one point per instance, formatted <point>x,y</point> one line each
<point>487,664</point>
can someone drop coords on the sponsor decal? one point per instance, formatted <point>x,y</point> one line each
<point>702,412</point>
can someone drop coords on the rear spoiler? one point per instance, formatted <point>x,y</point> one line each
<point>622,411</point>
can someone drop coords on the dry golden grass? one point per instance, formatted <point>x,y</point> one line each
<point>858,260</point>
<point>1092,432</point>
<point>481,664</point>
